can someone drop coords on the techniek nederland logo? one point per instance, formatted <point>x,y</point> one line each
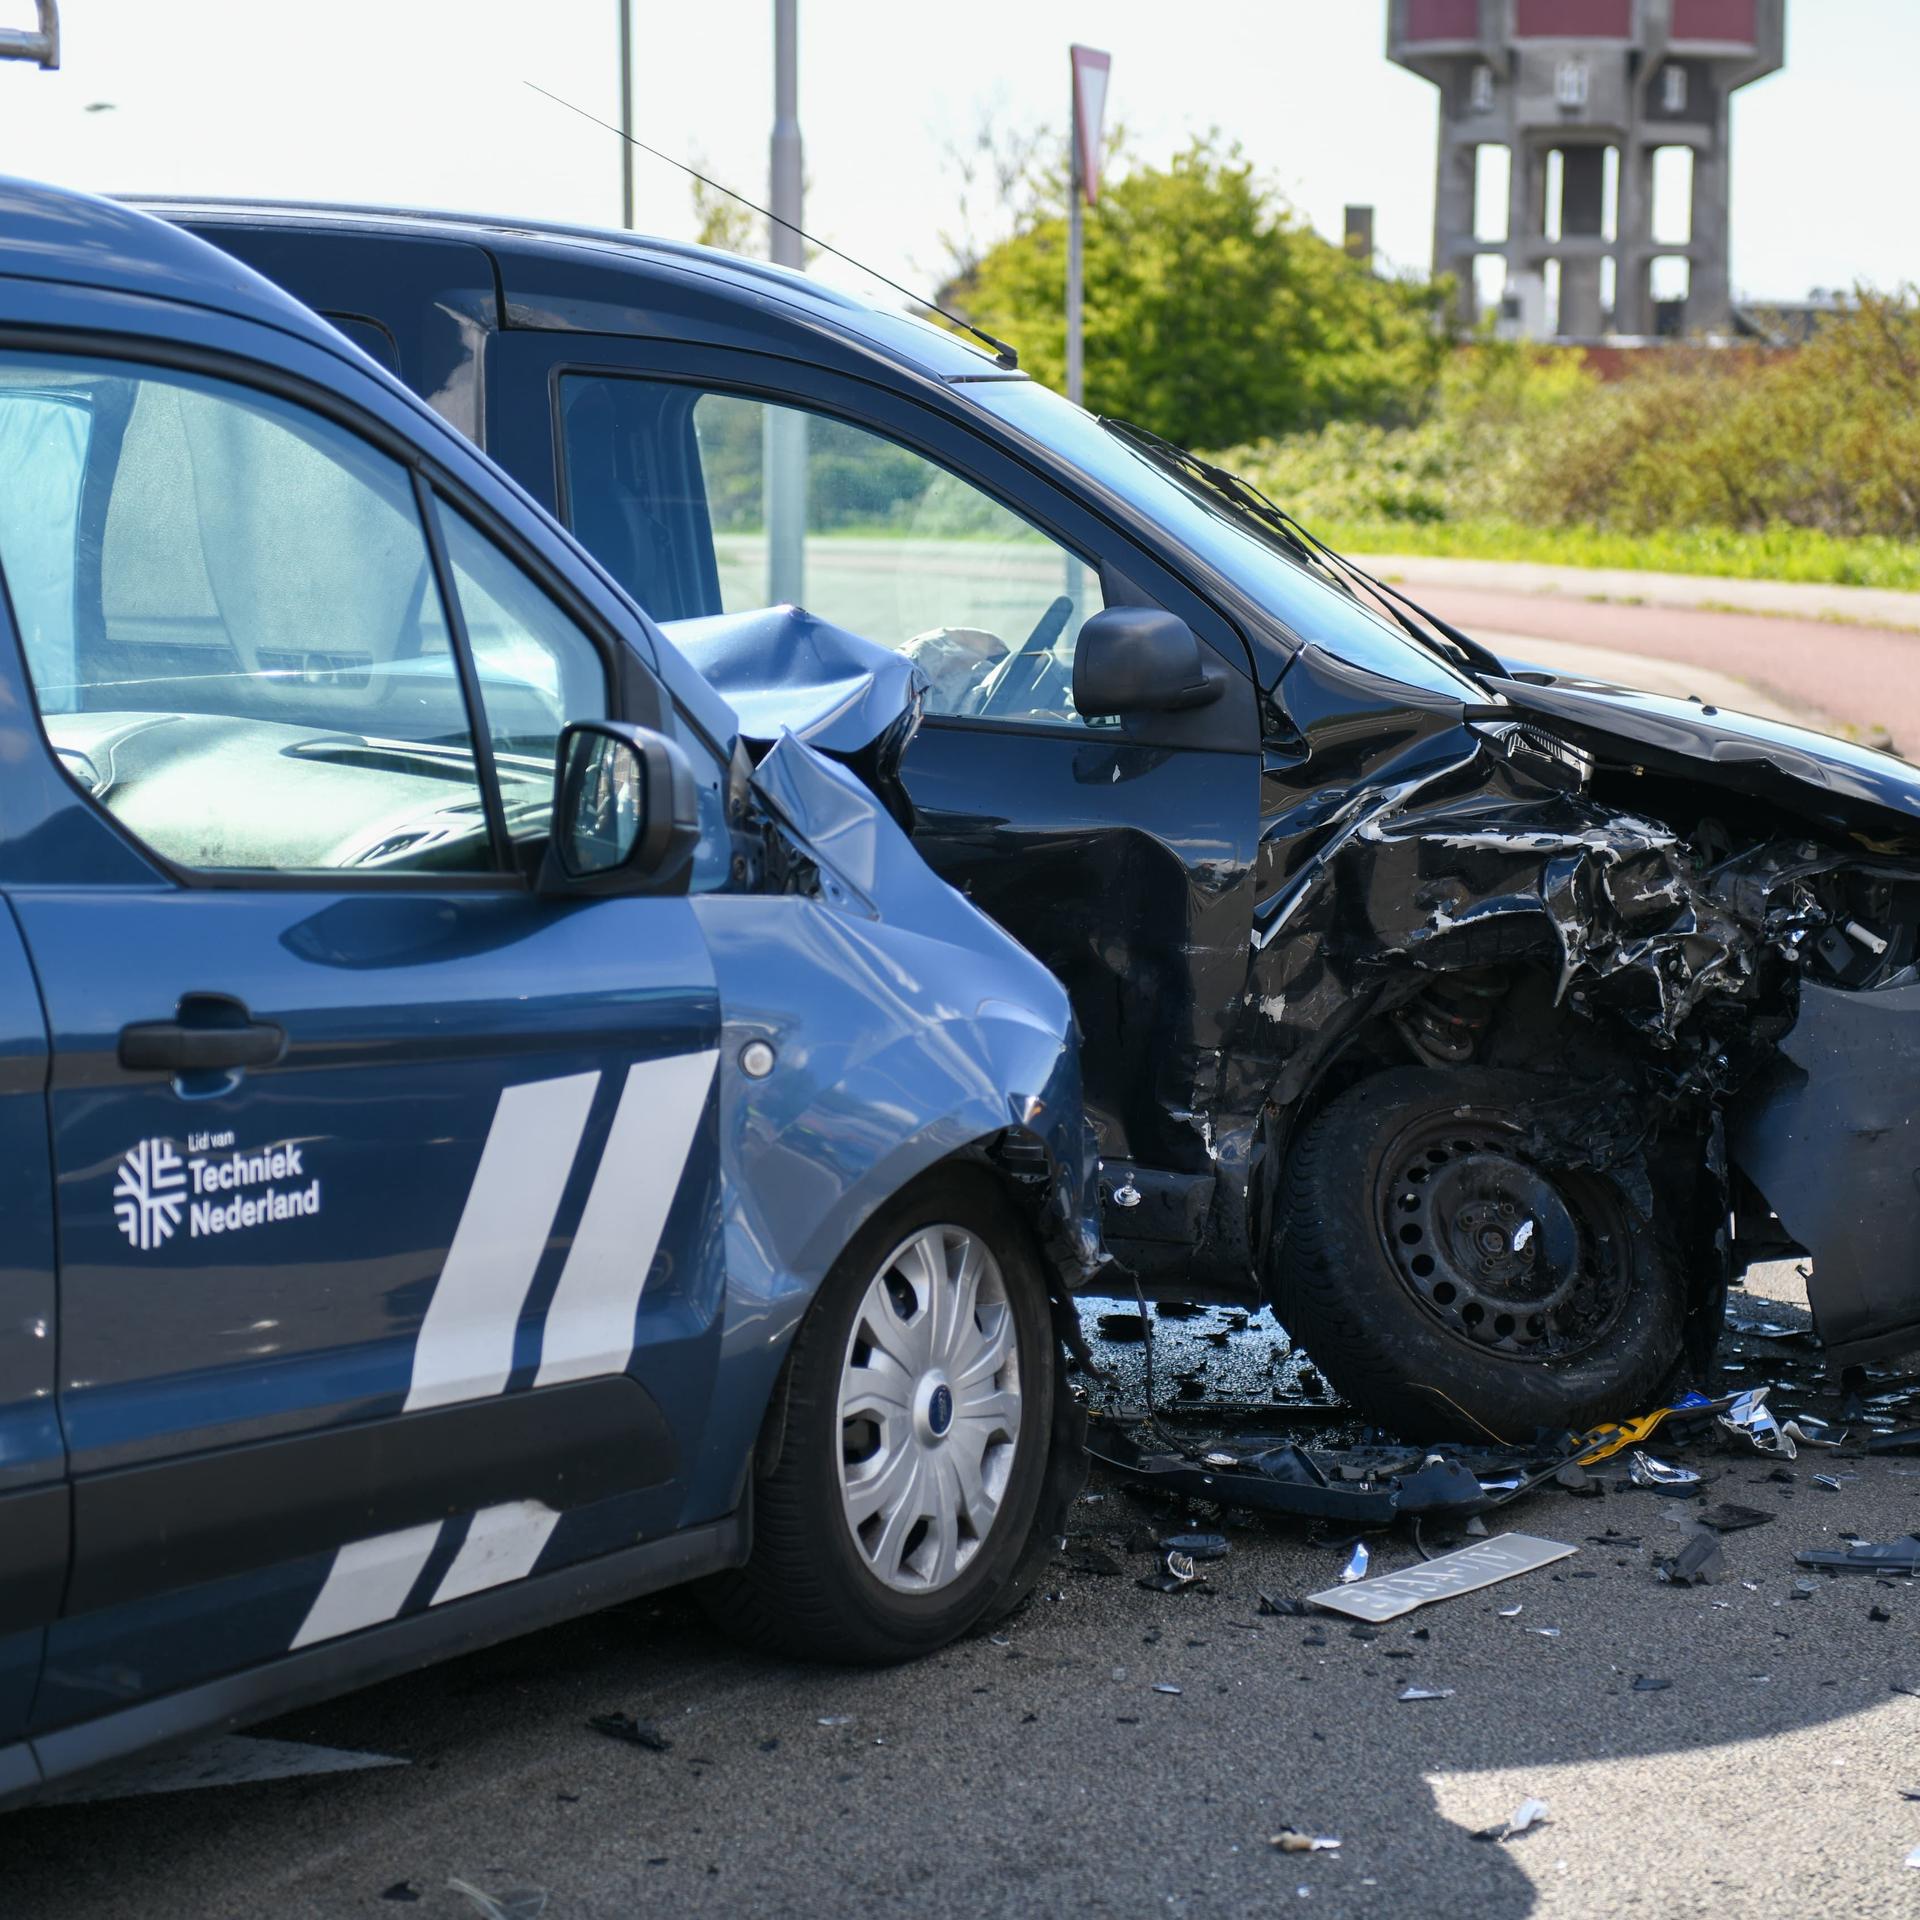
<point>150,1193</point>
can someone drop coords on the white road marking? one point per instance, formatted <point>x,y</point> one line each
<point>368,1583</point>
<point>589,1327</point>
<point>501,1545</point>
<point>465,1346</point>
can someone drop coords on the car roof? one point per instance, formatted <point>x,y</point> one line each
<point>77,239</point>
<point>533,250</point>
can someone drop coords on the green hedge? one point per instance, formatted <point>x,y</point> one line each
<point>1801,465</point>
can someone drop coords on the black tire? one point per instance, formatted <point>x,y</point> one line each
<point>807,1587</point>
<point>1583,1322</point>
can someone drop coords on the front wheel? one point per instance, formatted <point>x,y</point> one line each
<point>1452,1280</point>
<point>913,1429</point>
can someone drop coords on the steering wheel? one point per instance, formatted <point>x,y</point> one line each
<point>1015,678</point>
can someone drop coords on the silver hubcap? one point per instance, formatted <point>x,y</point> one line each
<point>929,1409</point>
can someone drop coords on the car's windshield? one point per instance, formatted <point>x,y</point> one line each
<point>1306,606</point>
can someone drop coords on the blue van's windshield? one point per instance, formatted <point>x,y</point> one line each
<point>1306,607</point>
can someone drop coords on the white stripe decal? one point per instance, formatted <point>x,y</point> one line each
<point>368,1583</point>
<point>501,1545</point>
<point>589,1329</point>
<point>465,1347</point>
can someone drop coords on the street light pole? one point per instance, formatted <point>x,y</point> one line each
<point>784,448</point>
<point>626,114</point>
<point>1076,241</point>
<point>1089,67</point>
<point>784,240</point>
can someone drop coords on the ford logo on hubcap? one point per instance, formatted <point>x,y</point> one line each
<point>940,1410</point>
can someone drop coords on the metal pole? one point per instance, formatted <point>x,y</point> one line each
<point>626,114</point>
<point>785,239</point>
<point>1076,195</point>
<point>16,43</point>
<point>784,456</point>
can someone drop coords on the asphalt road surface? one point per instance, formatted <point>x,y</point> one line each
<point>1839,660</point>
<point>1051,1768</point>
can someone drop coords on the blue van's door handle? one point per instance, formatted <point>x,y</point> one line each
<point>214,1033</point>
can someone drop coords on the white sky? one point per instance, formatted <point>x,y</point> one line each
<point>421,102</point>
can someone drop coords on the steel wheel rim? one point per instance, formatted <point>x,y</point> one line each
<point>1451,1182</point>
<point>929,1414</point>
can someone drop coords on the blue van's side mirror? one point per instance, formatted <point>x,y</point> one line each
<point>1140,660</point>
<point>625,810</point>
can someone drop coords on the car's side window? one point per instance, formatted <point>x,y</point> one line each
<point>536,670</point>
<point>232,624</point>
<point>710,502</point>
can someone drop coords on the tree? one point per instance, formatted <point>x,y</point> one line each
<point>722,221</point>
<point>1214,314</point>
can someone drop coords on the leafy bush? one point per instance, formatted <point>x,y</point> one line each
<point>1802,464</point>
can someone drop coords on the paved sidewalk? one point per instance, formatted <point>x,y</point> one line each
<point>1860,606</point>
<point>1860,682</point>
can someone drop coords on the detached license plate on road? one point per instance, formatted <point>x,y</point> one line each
<point>1484,1564</point>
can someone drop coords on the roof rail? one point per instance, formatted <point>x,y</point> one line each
<point>41,44</point>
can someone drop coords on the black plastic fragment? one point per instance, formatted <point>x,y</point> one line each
<point>1890,1556</point>
<point>1646,1683</point>
<point>636,1733</point>
<point>1290,1608</point>
<point>1196,1546</point>
<point>1698,1564</point>
<point>1727,1518</point>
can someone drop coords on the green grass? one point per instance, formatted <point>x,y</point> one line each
<point>1781,553</point>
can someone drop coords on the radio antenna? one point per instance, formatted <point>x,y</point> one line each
<point>1003,354</point>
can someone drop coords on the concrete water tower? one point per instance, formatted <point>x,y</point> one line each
<point>1586,104</point>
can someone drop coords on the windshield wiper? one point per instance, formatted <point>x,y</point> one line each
<point>1247,502</point>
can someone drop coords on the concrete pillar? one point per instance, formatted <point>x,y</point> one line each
<point>1526,226</point>
<point>1710,292</point>
<point>1632,306</point>
<point>1453,215</point>
<point>1583,208</point>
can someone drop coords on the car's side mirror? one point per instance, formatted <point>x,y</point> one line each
<point>626,812</point>
<point>1140,660</point>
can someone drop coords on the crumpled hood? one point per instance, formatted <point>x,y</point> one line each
<point>783,671</point>
<point>1811,773</point>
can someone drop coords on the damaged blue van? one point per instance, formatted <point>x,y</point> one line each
<point>478,1148</point>
<point>1485,1022</point>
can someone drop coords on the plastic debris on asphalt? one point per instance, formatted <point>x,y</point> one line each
<point>1698,1564</point>
<point>1752,1417</point>
<point>1445,1577</point>
<point>1724,1518</point>
<point>1173,1573</point>
<point>636,1733</point>
<point>1523,1819</point>
<point>1424,1693</point>
<point>1866,1556</point>
<point>1356,1567</point>
<point>525,1903</point>
<point>1661,1475</point>
<point>1289,1841</point>
<point>1197,1546</point>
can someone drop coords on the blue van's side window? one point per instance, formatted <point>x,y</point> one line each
<point>43,456</point>
<point>232,625</point>
<point>537,671</point>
